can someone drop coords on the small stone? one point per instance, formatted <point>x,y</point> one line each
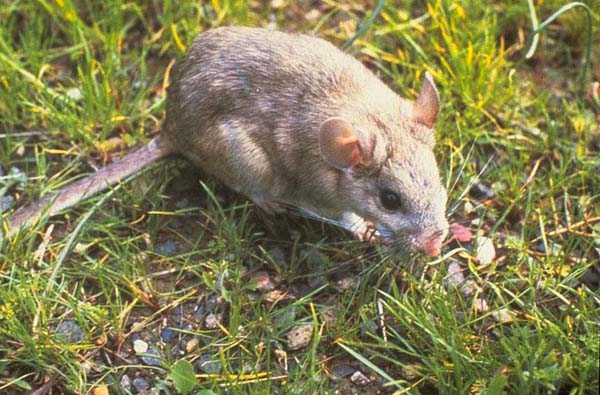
<point>263,281</point>
<point>140,346</point>
<point>207,365</point>
<point>6,203</point>
<point>503,316</point>
<point>148,358</point>
<point>166,334</point>
<point>341,371</point>
<point>481,305</point>
<point>282,358</point>
<point>199,313</point>
<point>469,287</point>
<point>329,316</point>
<point>468,207</point>
<point>102,389</point>
<point>313,15</point>
<point>191,345</point>
<point>485,250</point>
<point>74,94</point>
<point>358,378</point>
<point>212,303</point>
<point>69,332</point>
<point>140,384</point>
<point>80,248</point>
<point>180,205</point>
<point>299,336</point>
<point>167,248</point>
<point>276,295</point>
<point>455,275</point>
<point>15,172</point>
<point>126,382</point>
<point>346,282</point>
<point>213,321</point>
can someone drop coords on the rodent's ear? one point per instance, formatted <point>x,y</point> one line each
<point>341,145</point>
<point>427,106</point>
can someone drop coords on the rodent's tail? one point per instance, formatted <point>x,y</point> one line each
<point>88,186</point>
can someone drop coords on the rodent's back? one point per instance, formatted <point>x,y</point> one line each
<point>245,104</point>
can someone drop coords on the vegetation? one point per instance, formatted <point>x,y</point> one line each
<point>170,283</point>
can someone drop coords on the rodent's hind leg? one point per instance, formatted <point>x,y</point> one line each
<point>361,229</point>
<point>266,212</point>
<point>270,207</point>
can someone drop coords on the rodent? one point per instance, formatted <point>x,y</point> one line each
<point>289,119</point>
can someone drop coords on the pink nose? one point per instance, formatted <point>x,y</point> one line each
<point>433,246</point>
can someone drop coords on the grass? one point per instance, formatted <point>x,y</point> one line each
<point>83,81</point>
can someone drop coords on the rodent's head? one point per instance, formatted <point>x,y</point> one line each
<point>394,178</point>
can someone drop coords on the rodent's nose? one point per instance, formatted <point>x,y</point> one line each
<point>433,246</point>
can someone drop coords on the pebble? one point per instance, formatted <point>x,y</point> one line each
<point>359,378</point>
<point>19,174</point>
<point>276,295</point>
<point>207,365</point>
<point>166,334</point>
<point>74,94</point>
<point>455,275</point>
<point>485,250</point>
<point>140,346</point>
<point>126,382</point>
<point>6,203</point>
<point>346,282</point>
<point>69,332</point>
<point>140,384</point>
<point>180,205</point>
<point>149,360</point>
<point>212,302</point>
<point>341,371</point>
<point>199,313</point>
<point>213,321</point>
<point>469,287</point>
<point>481,305</point>
<point>299,336</point>
<point>166,248</point>
<point>263,281</point>
<point>503,316</point>
<point>329,316</point>
<point>191,345</point>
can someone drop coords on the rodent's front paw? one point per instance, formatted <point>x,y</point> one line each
<point>367,232</point>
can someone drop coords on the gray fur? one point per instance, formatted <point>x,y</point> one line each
<point>246,105</point>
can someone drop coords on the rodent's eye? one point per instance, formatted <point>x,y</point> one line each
<point>390,200</point>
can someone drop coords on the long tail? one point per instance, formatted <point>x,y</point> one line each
<point>88,186</point>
